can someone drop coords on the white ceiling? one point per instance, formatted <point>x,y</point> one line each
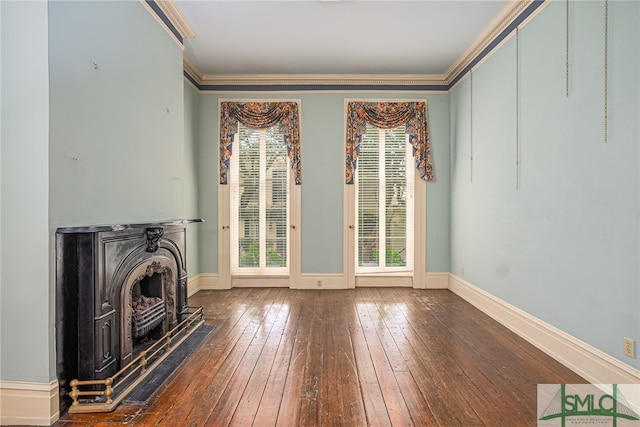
<point>335,37</point>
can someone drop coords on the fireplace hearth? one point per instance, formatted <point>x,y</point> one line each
<point>118,289</point>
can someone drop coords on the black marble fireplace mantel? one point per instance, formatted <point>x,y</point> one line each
<point>96,269</point>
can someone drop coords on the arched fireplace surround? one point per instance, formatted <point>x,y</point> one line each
<point>99,271</point>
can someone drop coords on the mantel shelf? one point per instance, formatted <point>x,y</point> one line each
<point>119,227</point>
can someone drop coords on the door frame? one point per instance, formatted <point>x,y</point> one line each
<point>225,278</point>
<point>416,279</point>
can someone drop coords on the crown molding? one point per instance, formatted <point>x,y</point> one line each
<point>192,68</point>
<point>319,79</point>
<point>174,14</point>
<point>509,14</point>
<point>516,11</point>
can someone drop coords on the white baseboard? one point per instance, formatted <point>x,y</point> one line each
<point>260,282</point>
<point>322,281</point>
<point>384,281</point>
<point>209,281</point>
<point>26,403</point>
<point>592,364</point>
<point>437,281</point>
<point>193,285</point>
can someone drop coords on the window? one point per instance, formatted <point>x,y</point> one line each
<point>384,202</point>
<point>259,177</point>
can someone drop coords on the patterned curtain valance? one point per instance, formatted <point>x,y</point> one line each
<point>260,115</point>
<point>389,115</point>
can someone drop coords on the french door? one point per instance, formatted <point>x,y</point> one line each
<point>385,233</point>
<point>259,205</point>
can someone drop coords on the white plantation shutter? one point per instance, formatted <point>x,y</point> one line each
<point>384,198</point>
<point>259,172</point>
<point>368,200</point>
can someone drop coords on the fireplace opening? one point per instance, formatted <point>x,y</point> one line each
<point>148,311</point>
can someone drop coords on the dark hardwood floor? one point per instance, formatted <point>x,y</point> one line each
<point>368,356</point>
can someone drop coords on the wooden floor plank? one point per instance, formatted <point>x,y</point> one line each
<point>268,408</point>
<point>220,310</point>
<point>418,409</point>
<point>329,393</point>
<point>226,356</point>
<point>375,409</point>
<point>391,393</point>
<point>376,356</point>
<point>475,394</point>
<point>312,377</point>
<point>439,397</point>
<point>237,390</point>
<point>289,413</point>
<point>348,385</point>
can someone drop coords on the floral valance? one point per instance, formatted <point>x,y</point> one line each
<point>389,115</point>
<point>260,115</point>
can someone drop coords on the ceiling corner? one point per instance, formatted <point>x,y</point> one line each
<point>508,15</point>
<point>177,18</point>
<point>192,68</point>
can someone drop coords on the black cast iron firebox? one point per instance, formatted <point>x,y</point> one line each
<point>99,272</point>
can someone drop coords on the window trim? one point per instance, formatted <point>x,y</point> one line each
<point>262,269</point>
<point>416,278</point>
<point>386,270</point>
<point>225,278</point>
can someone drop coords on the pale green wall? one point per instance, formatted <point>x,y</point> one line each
<point>81,145</point>
<point>208,185</point>
<point>93,132</point>
<point>117,115</point>
<point>1,127</point>
<point>565,247</point>
<point>190,171</point>
<point>26,334</point>
<point>322,144</point>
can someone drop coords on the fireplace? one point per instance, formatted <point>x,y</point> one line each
<point>144,305</point>
<point>118,289</point>
<point>147,306</point>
